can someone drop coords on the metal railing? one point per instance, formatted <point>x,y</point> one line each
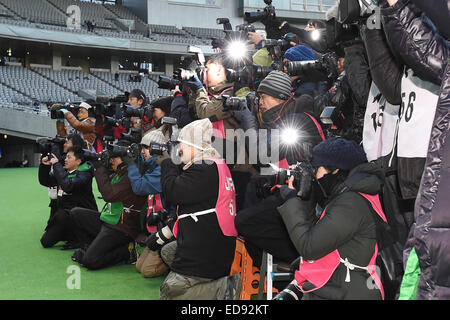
<point>295,5</point>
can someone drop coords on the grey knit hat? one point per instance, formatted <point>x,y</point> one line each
<point>153,136</point>
<point>277,84</point>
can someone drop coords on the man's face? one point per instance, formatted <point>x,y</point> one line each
<point>186,152</point>
<point>341,65</point>
<point>71,162</point>
<point>215,74</point>
<point>145,150</point>
<point>115,162</point>
<point>135,122</point>
<point>254,37</point>
<point>134,101</point>
<point>67,145</point>
<point>321,171</point>
<point>158,114</point>
<point>267,102</point>
<point>82,114</point>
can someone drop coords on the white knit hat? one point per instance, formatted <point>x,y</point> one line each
<point>153,136</point>
<point>197,134</point>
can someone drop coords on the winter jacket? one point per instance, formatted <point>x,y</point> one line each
<point>427,53</point>
<point>130,222</point>
<point>422,49</point>
<point>348,226</point>
<point>147,183</point>
<point>75,188</point>
<point>180,111</point>
<point>209,104</point>
<point>86,127</point>
<point>202,249</point>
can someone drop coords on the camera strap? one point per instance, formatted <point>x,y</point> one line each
<point>195,214</point>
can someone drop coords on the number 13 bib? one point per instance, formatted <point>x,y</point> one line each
<point>419,101</point>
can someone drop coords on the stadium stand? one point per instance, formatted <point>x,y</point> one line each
<point>34,86</point>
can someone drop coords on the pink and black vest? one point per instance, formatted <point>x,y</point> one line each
<point>225,208</point>
<point>318,272</point>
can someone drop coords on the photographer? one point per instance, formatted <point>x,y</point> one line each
<point>161,108</point>
<point>338,251</point>
<point>302,84</point>
<point>73,139</point>
<point>137,99</point>
<point>146,181</point>
<point>108,237</point>
<point>74,189</point>
<point>259,222</point>
<point>84,122</point>
<point>179,108</point>
<point>262,56</point>
<point>203,190</point>
<point>422,129</point>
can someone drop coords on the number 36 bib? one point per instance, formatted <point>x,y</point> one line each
<point>419,101</point>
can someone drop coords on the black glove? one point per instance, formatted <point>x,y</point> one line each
<point>158,239</point>
<point>287,193</point>
<point>129,160</point>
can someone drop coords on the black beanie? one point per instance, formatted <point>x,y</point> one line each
<point>165,104</point>
<point>277,84</point>
<point>338,153</point>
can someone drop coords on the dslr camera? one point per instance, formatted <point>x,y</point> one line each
<point>46,145</point>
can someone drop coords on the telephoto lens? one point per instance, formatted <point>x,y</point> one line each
<point>291,292</point>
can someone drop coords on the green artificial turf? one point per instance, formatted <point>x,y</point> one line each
<point>28,271</point>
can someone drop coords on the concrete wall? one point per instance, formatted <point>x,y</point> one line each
<point>167,12</point>
<point>26,125</point>
<point>138,7</point>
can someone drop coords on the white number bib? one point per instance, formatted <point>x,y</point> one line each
<point>380,124</point>
<point>419,101</point>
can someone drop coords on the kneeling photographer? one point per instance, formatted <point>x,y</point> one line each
<point>74,189</point>
<point>337,251</point>
<point>146,181</point>
<point>107,238</point>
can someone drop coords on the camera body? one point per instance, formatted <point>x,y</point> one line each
<point>267,13</point>
<point>157,218</point>
<point>45,145</point>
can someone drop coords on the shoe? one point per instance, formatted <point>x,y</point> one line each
<point>132,248</point>
<point>234,285</point>
<point>70,245</point>
<point>78,255</point>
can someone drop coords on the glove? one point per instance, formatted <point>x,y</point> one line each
<point>287,193</point>
<point>158,239</point>
<point>64,111</point>
<point>129,160</point>
<point>161,158</point>
<point>194,84</point>
<point>245,118</point>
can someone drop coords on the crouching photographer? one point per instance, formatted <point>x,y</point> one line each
<point>73,183</point>
<point>202,189</point>
<point>107,237</point>
<point>146,181</point>
<point>337,250</point>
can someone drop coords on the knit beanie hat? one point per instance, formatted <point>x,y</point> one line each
<point>165,104</point>
<point>299,53</point>
<point>277,84</point>
<point>197,134</point>
<point>153,136</point>
<point>338,153</point>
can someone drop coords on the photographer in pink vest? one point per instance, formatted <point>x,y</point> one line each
<point>338,244</point>
<point>202,190</point>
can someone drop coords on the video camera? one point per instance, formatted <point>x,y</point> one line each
<point>58,114</point>
<point>45,145</point>
<point>360,11</point>
<point>139,112</point>
<point>135,136</point>
<point>268,13</point>
<point>284,44</point>
<point>188,67</point>
<point>322,69</point>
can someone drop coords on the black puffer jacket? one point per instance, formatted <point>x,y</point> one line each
<point>348,226</point>
<point>427,53</point>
